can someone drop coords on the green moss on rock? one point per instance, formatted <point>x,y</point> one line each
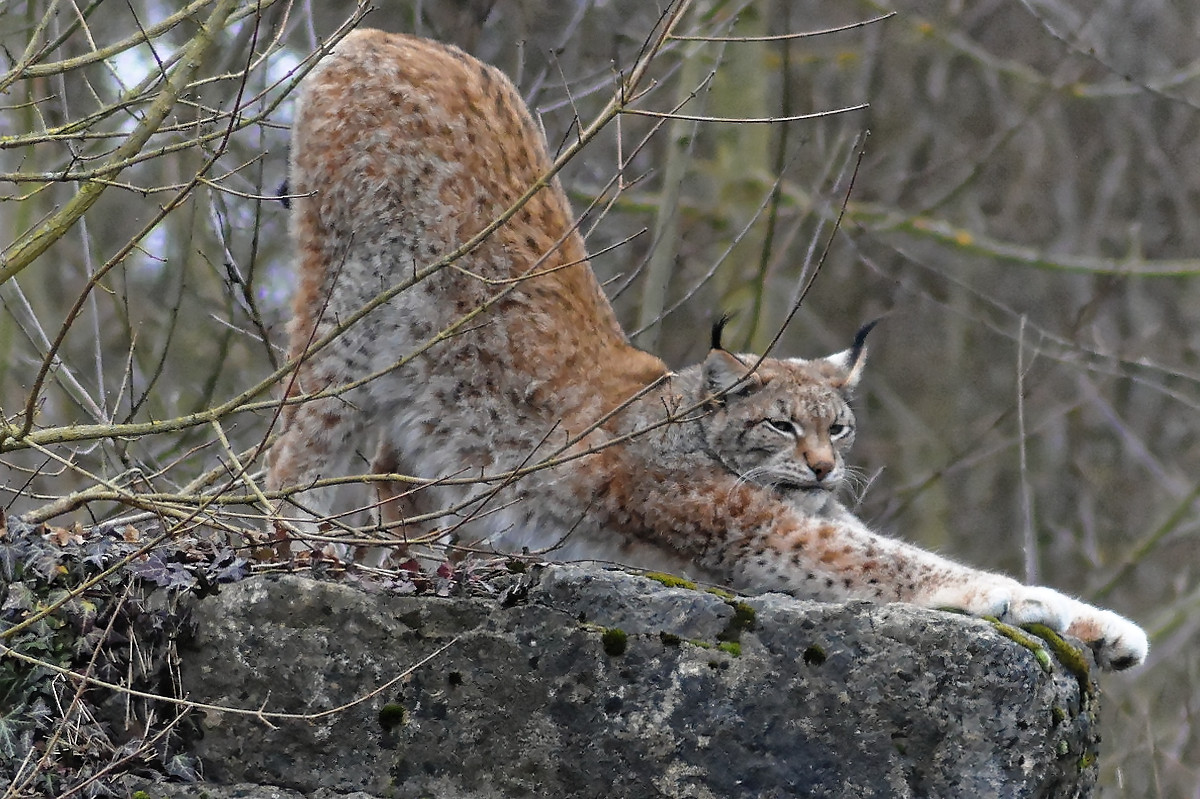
<point>615,641</point>
<point>1024,639</point>
<point>744,616</point>
<point>391,716</point>
<point>1072,658</point>
<point>743,619</point>
<point>670,580</point>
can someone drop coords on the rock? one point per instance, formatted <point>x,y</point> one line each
<point>606,684</point>
<point>159,790</point>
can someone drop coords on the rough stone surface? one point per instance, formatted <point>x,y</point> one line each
<point>852,700</point>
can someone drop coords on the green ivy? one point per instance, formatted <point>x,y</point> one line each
<point>119,630</point>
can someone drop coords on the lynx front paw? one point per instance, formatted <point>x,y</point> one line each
<point>1117,642</point>
<point>1008,601</point>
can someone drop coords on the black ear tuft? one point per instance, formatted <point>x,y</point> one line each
<point>282,194</point>
<point>717,329</point>
<point>860,340</point>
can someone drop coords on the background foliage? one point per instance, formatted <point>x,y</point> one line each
<point>1022,213</point>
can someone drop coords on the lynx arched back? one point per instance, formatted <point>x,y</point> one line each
<point>403,151</point>
<point>435,147</point>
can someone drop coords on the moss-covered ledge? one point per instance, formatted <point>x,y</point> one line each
<point>601,683</point>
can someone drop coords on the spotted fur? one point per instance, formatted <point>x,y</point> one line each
<point>404,150</point>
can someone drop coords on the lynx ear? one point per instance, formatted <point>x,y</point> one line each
<point>723,371</point>
<point>850,362</point>
<point>725,374</point>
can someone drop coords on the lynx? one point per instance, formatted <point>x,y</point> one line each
<point>501,382</point>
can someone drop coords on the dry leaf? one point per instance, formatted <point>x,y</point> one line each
<point>62,537</point>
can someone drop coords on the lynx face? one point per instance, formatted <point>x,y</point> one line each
<point>785,425</point>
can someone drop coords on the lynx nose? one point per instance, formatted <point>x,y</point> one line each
<point>820,467</point>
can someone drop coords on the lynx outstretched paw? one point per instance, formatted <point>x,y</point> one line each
<point>1009,601</point>
<point>1036,605</point>
<point>1116,642</point>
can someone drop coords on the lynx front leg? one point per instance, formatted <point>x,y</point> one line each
<point>838,557</point>
<point>925,579</point>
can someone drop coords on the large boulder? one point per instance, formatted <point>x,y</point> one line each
<point>584,682</point>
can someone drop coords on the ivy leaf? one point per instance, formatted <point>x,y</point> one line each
<point>10,735</point>
<point>184,768</point>
<point>163,573</point>
<point>103,550</point>
<point>11,560</point>
<point>227,567</point>
<point>46,565</point>
<point>19,600</point>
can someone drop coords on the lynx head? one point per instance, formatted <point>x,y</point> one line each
<point>785,423</point>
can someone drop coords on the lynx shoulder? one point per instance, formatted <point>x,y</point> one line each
<point>448,328</point>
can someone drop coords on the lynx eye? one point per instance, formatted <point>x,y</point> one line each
<point>838,430</point>
<point>782,426</point>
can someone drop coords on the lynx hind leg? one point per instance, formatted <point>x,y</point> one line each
<point>396,502</point>
<point>317,440</point>
<point>1116,642</point>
